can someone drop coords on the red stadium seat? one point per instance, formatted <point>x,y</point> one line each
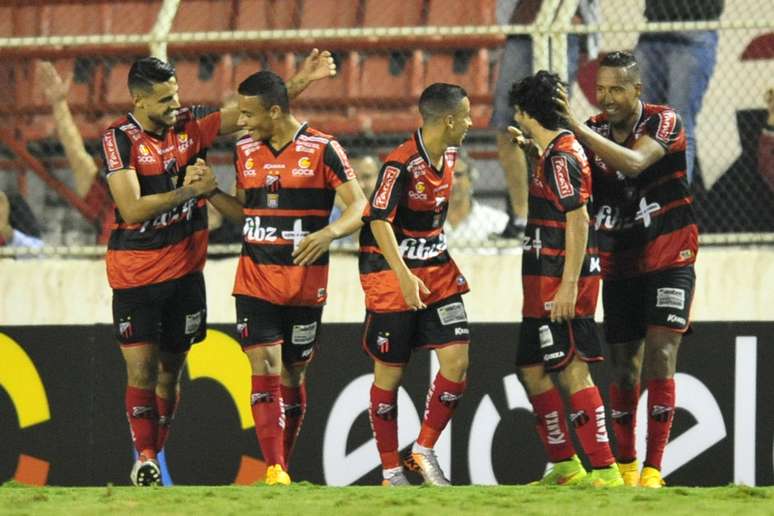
<point>6,22</point>
<point>282,63</point>
<point>202,82</point>
<point>461,12</point>
<point>116,93</point>
<point>72,19</point>
<point>131,16</point>
<point>471,71</point>
<point>203,15</point>
<point>382,80</point>
<point>320,14</point>
<point>25,20</point>
<point>329,93</point>
<point>30,97</point>
<point>254,15</point>
<point>381,13</point>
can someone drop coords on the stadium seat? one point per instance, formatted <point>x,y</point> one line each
<point>6,22</point>
<point>203,80</point>
<point>461,12</point>
<point>281,63</point>
<point>131,16</point>
<point>321,14</point>
<point>116,94</point>
<point>390,78</point>
<point>378,13</point>
<point>30,98</point>
<point>469,69</point>
<point>24,19</point>
<point>72,19</point>
<point>337,91</point>
<point>203,15</point>
<point>254,15</point>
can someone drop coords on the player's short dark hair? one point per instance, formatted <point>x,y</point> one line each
<point>625,60</point>
<point>535,96</point>
<point>440,99</point>
<point>269,87</point>
<point>148,71</point>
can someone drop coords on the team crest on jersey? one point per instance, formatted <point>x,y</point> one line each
<point>272,190</point>
<point>125,328</point>
<point>383,342</point>
<point>562,176</point>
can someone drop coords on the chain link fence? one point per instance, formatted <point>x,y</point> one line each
<point>386,53</point>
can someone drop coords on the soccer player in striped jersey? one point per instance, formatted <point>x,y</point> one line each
<point>648,240</point>
<point>158,245</point>
<point>412,286</point>
<point>287,176</point>
<point>560,280</point>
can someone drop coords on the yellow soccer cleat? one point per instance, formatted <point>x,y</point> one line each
<point>276,476</point>
<point>651,477</point>
<point>630,472</point>
<point>566,473</point>
<point>606,477</point>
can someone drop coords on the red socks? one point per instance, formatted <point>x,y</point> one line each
<point>623,409</point>
<point>588,418</point>
<point>442,399</point>
<point>166,411</point>
<point>294,408</point>
<point>383,413</point>
<point>551,425</point>
<point>267,413</point>
<point>143,420</point>
<point>661,411</point>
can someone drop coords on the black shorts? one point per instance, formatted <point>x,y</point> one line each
<point>555,344</point>
<point>172,314</point>
<point>656,299</point>
<point>296,328</point>
<point>391,337</point>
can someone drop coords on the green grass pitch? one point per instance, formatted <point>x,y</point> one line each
<point>307,500</point>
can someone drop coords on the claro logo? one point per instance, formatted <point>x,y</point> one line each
<point>20,379</point>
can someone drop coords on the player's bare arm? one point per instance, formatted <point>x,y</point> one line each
<point>576,236</point>
<point>630,162</point>
<point>411,286</point>
<point>55,90</point>
<point>314,245</point>
<point>317,65</point>
<point>136,208</point>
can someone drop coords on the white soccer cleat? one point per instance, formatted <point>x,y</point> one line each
<point>145,472</point>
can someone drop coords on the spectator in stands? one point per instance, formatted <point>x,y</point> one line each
<point>467,219</point>
<point>676,67</point>
<point>18,226</point>
<point>766,143</point>
<point>88,183</point>
<point>366,167</point>
<point>516,64</point>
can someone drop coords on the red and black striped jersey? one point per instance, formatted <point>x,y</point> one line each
<point>289,194</point>
<point>413,196</point>
<point>645,223</point>
<point>174,243</point>
<point>561,182</point>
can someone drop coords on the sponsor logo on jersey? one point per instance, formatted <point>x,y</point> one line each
<point>422,249</point>
<point>389,178</point>
<point>112,157</point>
<point>562,176</point>
<point>184,212</point>
<point>666,126</point>
<point>183,142</point>
<point>304,162</point>
<point>273,166</point>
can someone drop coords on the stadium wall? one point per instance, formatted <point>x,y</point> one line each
<point>733,284</point>
<point>62,419</point>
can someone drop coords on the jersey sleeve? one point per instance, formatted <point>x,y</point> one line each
<point>238,166</point>
<point>207,120</point>
<point>666,127</point>
<point>387,193</point>
<point>116,151</point>
<point>336,164</point>
<point>564,176</point>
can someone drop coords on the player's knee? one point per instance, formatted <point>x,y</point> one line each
<point>454,368</point>
<point>534,379</point>
<point>294,375</point>
<point>661,361</point>
<point>575,377</point>
<point>141,374</point>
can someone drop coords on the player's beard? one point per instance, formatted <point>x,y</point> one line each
<point>166,120</point>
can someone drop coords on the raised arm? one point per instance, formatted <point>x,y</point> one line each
<point>317,65</point>
<point>81,162</point>
<point>630,162</point>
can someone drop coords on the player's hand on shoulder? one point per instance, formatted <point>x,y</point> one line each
<point>412,289</point>
<point>318,65</point>
<point>563,306</point>
<point>312,247</point>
